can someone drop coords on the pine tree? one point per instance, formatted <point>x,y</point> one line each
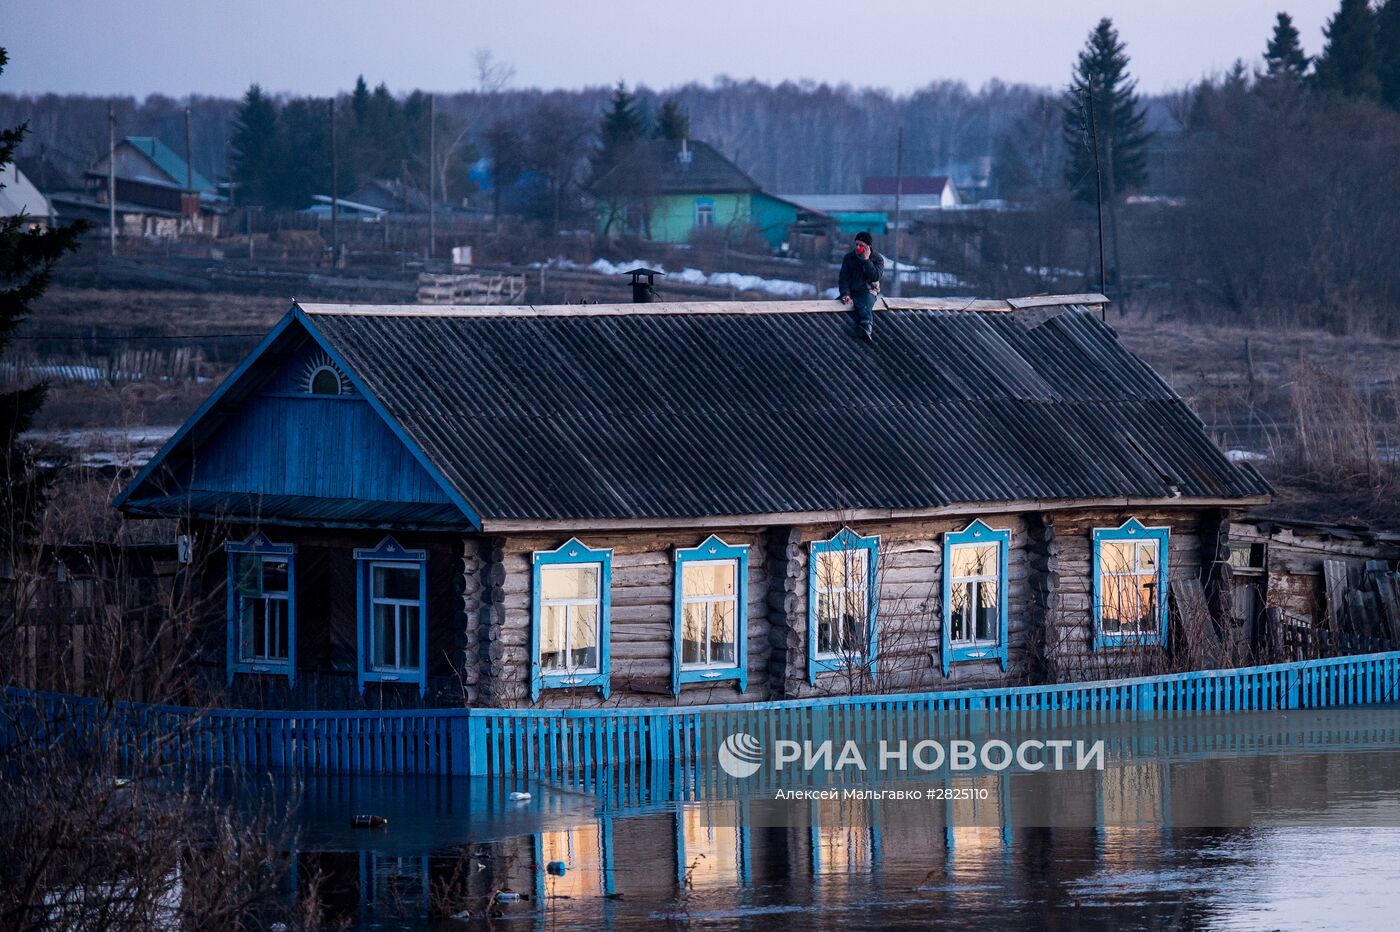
<point>1347,64</point>
<point>1388,52</point>
<point>27,260</point>
<point>673,120</point>
<point>303,163</point>
<point>1284,58</point>
<point>621,128</point>
<point>255,149</point>
<point>1102,73</point>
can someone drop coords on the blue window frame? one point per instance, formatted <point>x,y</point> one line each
<point>392,619</point>
<point>842,626</point>
<point>704,213</point>
<point>1130,585</point>
<point>974,594</point>
<point>570,611</point>
<point>262,608</point>
<point>709,634</point>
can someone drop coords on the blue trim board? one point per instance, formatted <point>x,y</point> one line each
<point>975,533</point>
<point>388,551</point>
<point>713,549</point>
<point>258,544</point>
<point>842,540</point>
<point>1132,530</point>
<point>572,551</point>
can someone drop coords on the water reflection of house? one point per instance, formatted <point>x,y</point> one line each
<point>657,504</point>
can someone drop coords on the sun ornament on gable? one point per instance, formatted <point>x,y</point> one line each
<point>323,377</point>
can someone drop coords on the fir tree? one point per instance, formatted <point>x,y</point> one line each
<point>1347,64</point>
<point>255,149</point>
<point>673,120</point>
<point>621,128</point>
<point>1388,52</point>
<point>27,260</point>
<point>1284,58</point>
<point>1102,73</point>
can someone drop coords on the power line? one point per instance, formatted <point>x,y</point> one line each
<point>128,338</point>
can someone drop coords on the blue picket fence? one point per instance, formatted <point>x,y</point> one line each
<point>554,743</point>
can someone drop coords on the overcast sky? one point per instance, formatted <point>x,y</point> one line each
<point>316,47</point>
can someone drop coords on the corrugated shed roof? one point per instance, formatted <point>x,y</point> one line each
<point>533,414</point>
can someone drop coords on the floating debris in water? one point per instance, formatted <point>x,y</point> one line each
<point>518,796</point>
<point>556,868</point>
<point>368,821</point>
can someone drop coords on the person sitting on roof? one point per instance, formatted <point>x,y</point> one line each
<point>859,283</point>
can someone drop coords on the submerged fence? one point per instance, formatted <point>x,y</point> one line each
<point>552,743</point>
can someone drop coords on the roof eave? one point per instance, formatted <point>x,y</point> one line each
<point>960,509</point>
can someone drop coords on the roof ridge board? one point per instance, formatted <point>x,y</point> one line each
<point>675,308</point>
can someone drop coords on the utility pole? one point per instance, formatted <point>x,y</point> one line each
<point>1098,185</point>
<point>898,191</point>
<point>112,177</point>
<point>432,172</point>
<point>189,167</point>
<point>335,184</point>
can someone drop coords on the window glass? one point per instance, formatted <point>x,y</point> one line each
<point>262,606</point>
<point>709,577</point>
<point>569,607</point>
<point>394,582</point>
<point>708,611</point>
<point>842,602</point>
<point>974,560</point>
<point>325,382</point>
<point>394,617</point>
<point>569,582</point>
<point>1128,586</point>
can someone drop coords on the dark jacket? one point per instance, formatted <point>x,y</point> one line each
<point>857,274</point>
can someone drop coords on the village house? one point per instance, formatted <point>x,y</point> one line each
<point>158,193</point>
<point>668,191</point>
<point>691,503</point>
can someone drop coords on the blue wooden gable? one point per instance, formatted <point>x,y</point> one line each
<point>292,437</point>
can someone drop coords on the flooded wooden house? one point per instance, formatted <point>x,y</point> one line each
<point>582,506</point>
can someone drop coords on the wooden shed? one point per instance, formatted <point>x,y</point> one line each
<point>690,503</point>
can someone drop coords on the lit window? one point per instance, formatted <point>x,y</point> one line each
<point>1130,577</point>
<point>393,615</point>
<point>261,607</point>
<point>974,599</point>
<point>841,607</point>
<point>842,597</point>
<point>569,618</point>
<point>710,622</point>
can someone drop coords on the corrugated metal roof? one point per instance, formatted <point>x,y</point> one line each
<point>166,159</point>
<point>657,414</point>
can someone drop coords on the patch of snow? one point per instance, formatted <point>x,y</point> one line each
<point>779,287</point>
<point>1244,456</point>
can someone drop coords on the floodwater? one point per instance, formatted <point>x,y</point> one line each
<point>1300,837</point>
